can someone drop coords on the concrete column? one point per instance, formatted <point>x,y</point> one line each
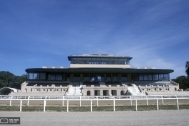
<point>101,92</point>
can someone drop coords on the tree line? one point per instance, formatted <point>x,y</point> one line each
<point>8,79</point>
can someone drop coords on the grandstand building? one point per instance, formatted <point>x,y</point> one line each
<point>97,75</point>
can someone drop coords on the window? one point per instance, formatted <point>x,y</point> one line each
<point>55,77</point>
<point>123,78</point>
<point>36,76</point>
<point>155,77</point>
<point>166,76</point>
<point>140,77</point>
<point>161,77</point>
<point>145,77</point>
<point>149,77</point>
<point>88,93</point>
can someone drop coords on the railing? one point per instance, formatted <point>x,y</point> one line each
<point>93,98</point>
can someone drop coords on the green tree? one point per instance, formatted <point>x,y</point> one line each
<point>8,79</point>
<point>183,82</point>
<point>187,68</point>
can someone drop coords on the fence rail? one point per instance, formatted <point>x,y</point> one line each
<point>94,98</point>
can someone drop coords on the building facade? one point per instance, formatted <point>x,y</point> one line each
<point>97,75</point>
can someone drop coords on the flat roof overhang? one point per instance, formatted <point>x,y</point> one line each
<point>98,70</point>
<point>111,57</point>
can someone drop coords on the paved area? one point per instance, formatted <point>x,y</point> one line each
<point>126,118</point>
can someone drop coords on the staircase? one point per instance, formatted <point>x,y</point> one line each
<point>135,91</point>
<point>74,90</point>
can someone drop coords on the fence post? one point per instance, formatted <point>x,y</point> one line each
<point>162,102</point>
<point>44,105</point>
<point>177,104</point>
<point>91,106</point>
<point>28,103</point>
<point>114,104</point>
<point>146,100</point>
<point>157,105</point>
<point>67,105</point>
<point>97,101</point>
<point>20,105</point>
<point>63,101</point>
<point>130,101</point>
<point>10,101</point>
<point>80,101</point>
<point>136,104</point>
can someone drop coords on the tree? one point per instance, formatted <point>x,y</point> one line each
<point>8,79</point>
<point>183,82</point>
<point>187,68</point>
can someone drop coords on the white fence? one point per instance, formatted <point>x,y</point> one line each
<point>93,98</point>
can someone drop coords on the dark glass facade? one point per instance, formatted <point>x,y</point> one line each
<point>91,77</point>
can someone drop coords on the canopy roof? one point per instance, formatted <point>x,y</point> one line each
<point>97,70</point>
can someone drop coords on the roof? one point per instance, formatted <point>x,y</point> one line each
<point>97,70</point>
<point>99,56</point>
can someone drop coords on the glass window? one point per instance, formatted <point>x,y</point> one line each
<point>58,76</point>
<point>149,77</point>
<point>30,75</point>
<point>115,78</point>
<point>145,77</point>
<point>99,78</point>
<point>140,77</point>
<point>123,79</point>
<point>166,76</point>
<point>42,76</point>
<point>161,77</point>
<point>155,77</point>
<point>51,76</point>
<point>92,79</point>
<point>108,78</point>
<point>76,79</point>
<point>36,76</point>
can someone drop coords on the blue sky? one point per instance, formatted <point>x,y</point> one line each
<point>36,33</point>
